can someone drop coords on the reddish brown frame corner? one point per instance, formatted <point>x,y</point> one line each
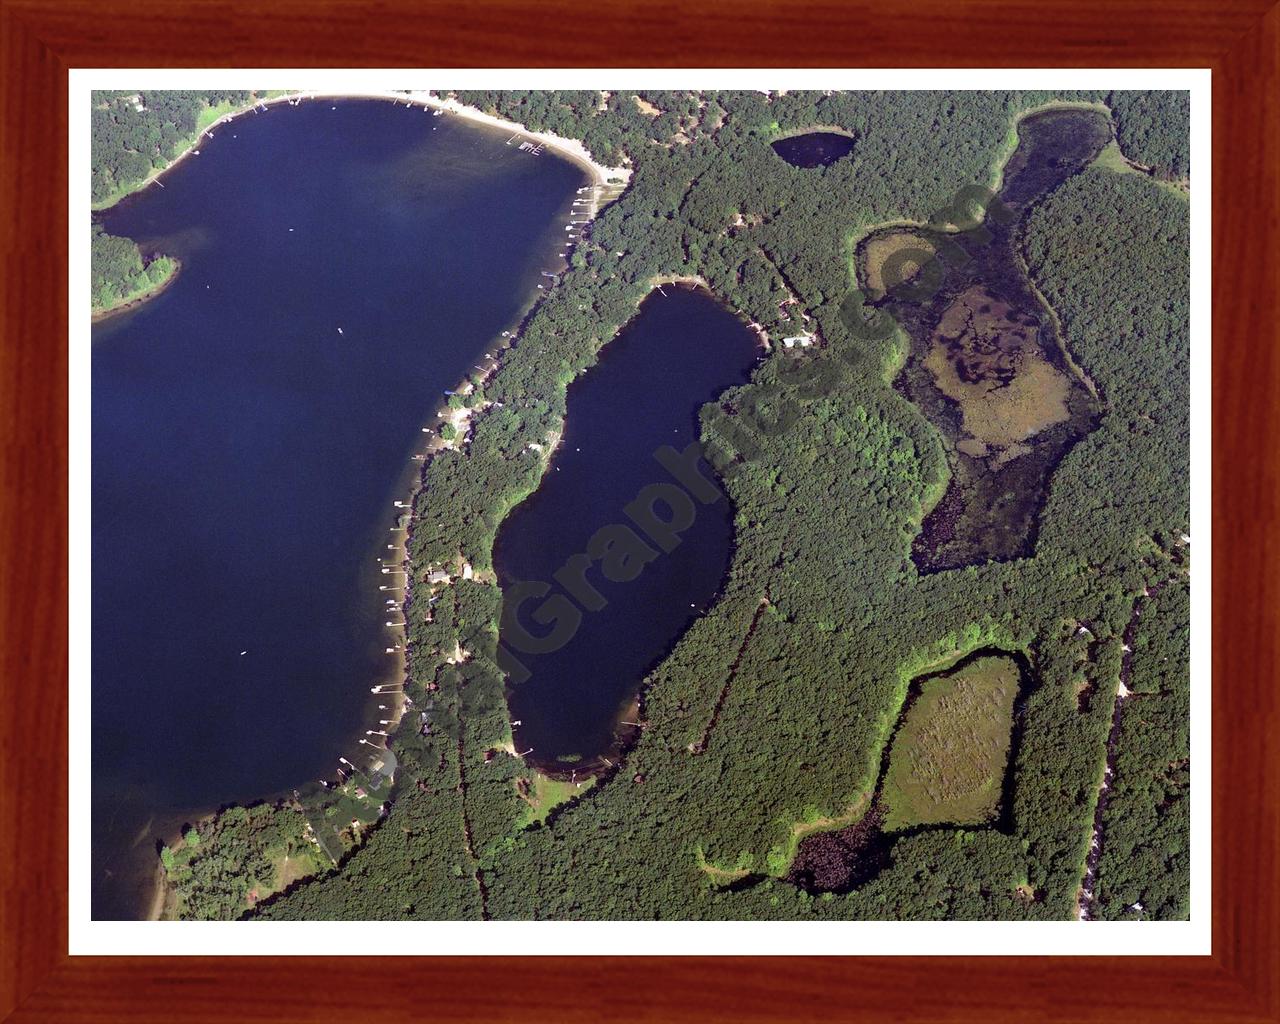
<point>40,40</point>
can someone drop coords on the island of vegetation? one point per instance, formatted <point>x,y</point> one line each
<point>850,731</point>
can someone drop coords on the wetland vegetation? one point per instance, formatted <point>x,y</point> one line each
<point>949,757</point>
<point>986,362</point>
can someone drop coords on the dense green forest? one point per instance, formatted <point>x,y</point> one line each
<point>767,722</point>
<point>1152,129</point>
<point>1145,864</point>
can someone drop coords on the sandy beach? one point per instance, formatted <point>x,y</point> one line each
<point>159,896</point>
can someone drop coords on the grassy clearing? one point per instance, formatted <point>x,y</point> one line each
<point>545,795</point>
<point>1112,159</point>
<point>208,115</point>
<point>948,760</point>
<point>297,865</point>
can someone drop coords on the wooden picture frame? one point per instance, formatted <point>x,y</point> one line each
<point>41,39</point>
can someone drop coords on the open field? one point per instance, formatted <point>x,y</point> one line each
<point>547,794</point>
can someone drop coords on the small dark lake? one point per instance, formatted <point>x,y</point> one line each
<point>246,451</point>
<point>986,365</point>
<point>814,149</point>
<point>680,350</point>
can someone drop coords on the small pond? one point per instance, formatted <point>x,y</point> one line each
<point>814,149</point>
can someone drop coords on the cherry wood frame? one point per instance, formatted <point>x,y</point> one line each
<point>41,39</point>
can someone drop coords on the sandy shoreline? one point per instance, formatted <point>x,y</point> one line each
<point>159,895</point>
<point>571,149</point>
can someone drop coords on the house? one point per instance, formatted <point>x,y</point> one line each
<point>437,576</point>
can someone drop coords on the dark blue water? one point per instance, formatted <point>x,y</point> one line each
<point>816,149</point>
<point>246,454</point>
<point>680,351</point>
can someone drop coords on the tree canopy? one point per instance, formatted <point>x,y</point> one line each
<point>1154,129</point>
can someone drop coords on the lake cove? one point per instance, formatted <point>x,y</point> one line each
<point>814,149</point>
<point>986,364</point>
<point>344,263</point>
<point>607,563</point>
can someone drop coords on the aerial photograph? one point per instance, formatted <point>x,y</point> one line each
<point>640,505</point>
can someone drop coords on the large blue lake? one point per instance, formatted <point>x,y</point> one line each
<point>342,265</point>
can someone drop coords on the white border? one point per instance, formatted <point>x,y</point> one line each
<point>615,937</point>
